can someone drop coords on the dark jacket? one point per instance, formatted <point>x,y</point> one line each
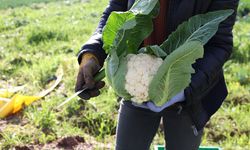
<point>207,89</point>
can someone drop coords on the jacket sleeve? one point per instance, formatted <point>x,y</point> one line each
<point>94,44</point>
<point>217,52</point>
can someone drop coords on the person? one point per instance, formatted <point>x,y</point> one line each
<point>189,111</point>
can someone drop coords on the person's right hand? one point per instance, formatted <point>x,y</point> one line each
<point>88,68</point>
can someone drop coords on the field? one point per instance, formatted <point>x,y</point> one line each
<point>37,37</point>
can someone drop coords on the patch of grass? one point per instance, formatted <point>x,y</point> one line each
<point>34,43</point>
<point>17,3</point>
<point>241,51</point>
<point>38,36</point>
<point>43,118</point>
<point>14,135</point>
<point>244,8</point>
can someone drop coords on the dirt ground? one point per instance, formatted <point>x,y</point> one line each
<point>66,143</point>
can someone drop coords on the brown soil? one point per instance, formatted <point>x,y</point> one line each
<point>22,148</point>
<point>66,143</point>
<point>70,142</point>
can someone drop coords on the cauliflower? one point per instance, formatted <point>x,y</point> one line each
<point>141,69</point>
<point>158,72</point>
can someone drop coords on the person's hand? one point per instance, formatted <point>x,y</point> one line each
<point>88,68</point>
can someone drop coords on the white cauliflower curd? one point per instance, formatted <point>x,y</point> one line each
<point>141,69</point>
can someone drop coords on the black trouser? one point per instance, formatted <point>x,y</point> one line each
<point>138,126</point>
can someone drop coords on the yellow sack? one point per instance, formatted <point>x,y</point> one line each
<point>21,100</point>
<point>16,103</point>
<point>7,108</point>
<point>3,101</point>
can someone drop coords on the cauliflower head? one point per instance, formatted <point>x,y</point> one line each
<point>141,69</point>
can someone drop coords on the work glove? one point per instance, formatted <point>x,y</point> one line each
<point>88,68</point>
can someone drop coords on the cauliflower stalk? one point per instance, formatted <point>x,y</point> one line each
<point>141,69</point>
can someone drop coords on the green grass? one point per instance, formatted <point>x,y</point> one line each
<point>17,3</point>
<point>36,39</point>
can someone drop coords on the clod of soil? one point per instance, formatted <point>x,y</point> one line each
<point>70,142</point>
<point>22,148</point>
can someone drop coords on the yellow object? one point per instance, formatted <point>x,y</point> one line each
<point>16,103</point>
<point>21,100</point>
<point>7,108</point>
<point>3,101</point>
